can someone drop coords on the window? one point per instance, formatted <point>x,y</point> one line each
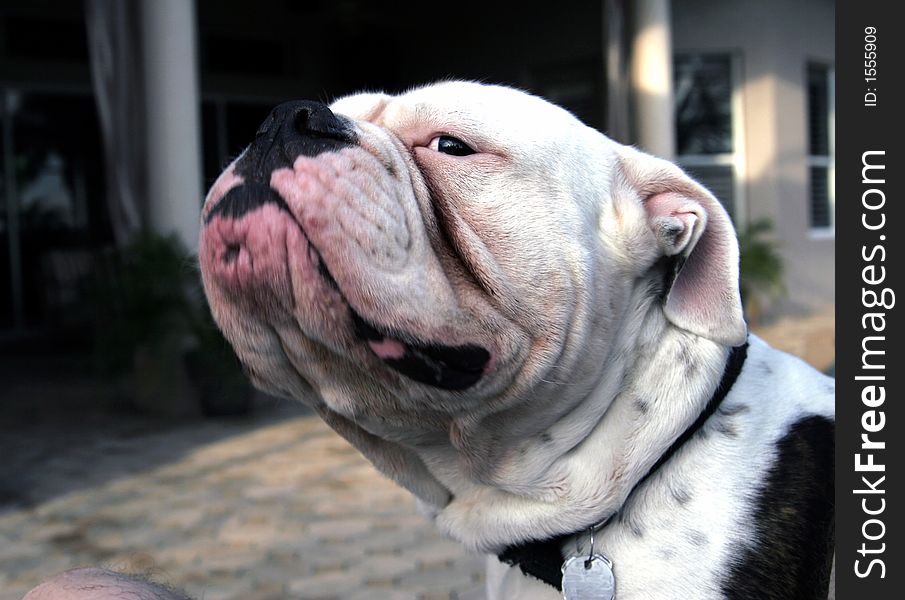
<point>821,148</point>
<point>708,126</point>
<point>53,198</point>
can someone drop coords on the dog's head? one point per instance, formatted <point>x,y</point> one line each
<point>445,253</point>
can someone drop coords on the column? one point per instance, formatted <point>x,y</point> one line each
<point>650,71</point>
<point>172,117</point>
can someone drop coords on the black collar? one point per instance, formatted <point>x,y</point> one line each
<point>543,558</point>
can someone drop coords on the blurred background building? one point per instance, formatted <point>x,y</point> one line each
<point>116,116</point>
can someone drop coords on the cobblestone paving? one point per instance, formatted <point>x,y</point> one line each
<point>810,337</point>
<point>269,507</point>
<point>260,509</point>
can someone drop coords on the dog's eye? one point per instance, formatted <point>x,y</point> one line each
<point>450,145</point>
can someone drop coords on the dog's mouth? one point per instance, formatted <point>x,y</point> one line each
<point>439,365</point>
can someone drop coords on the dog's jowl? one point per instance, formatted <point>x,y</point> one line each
<point>535,330</point>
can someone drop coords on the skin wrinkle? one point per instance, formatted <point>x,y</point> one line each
<point>321,257</point>
<point>453,240</point>
<point>680,495</point>
<point>347,187</point>
<point>479,423</point>
<point>556,360</point>
<point>359,307</point>
<point>383,155</point>
<point>400,176</point>
<point>285,355</point>
<point>383,181</point>
<point>288,273</point>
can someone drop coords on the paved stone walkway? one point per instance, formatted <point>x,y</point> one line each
<point>272,507</point>
<point>268,507</point>
<point>810,337</point>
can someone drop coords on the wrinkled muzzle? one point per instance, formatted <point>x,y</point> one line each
<point>309,232</point>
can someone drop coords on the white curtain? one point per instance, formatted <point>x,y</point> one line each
<point>115,54</point>
<point>618,122</point>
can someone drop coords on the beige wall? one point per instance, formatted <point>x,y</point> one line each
<point>774,41</point>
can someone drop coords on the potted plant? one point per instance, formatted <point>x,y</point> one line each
<point>154,330</point>
<point>760,268</point>
<point>216,372</point>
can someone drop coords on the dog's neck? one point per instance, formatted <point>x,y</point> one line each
<point>539,465</point>
<point>543,559</point>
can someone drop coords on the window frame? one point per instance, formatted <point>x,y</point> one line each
<point>736,158</point>
<point>827,161</point>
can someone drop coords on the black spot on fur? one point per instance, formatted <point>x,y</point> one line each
<point>546,438</point>
<point>642,405</point>
<point>540,559</point>
<point>686,358</point>
<point>666,553</point>
<point>726,428</point>
<point>680,495</point>
<point>696,538</point>
<point>629,521</point>
<point>731,411</point>
<point>766,368</point>
<point>792,550</point>
<point>246,198</point>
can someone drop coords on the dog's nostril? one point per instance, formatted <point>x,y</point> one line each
<point>231,253</point>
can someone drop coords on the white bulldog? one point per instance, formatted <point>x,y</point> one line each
<point>535,330</point>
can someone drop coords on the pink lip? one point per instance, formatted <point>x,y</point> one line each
<point>387,348</point>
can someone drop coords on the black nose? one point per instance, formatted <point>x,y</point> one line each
<point>307,119</point>
<point>293,129</point>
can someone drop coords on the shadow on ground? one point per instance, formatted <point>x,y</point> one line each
<point>272,506</point>
<point>64,428</point>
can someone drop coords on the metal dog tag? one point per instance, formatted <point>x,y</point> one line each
<point>588,578</point>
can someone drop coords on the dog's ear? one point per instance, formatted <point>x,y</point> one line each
<point>691,225</point>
